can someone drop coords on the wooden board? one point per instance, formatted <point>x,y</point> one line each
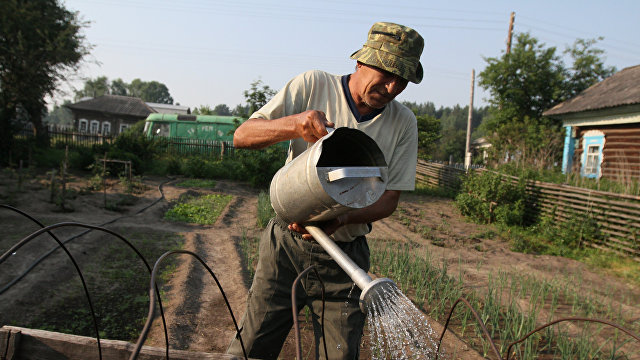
<point>30,344</point>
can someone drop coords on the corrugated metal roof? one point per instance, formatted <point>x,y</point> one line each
<point>622,88</point>
<point>114,104</point>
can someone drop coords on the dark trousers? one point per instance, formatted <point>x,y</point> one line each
<point>268,316</point>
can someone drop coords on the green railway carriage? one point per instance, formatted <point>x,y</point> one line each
<point>197,127</point>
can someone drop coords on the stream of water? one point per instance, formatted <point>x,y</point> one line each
<point>398,330</point>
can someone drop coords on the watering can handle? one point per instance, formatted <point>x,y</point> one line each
<point>353,172</point>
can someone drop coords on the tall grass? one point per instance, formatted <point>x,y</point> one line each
<point>265,211</point>
<point>511,305</point>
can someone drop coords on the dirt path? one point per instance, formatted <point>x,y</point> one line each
<point>196,311</point>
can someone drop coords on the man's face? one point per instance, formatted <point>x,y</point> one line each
<point>379,87</point>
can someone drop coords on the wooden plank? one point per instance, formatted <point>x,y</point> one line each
<point>589,207</point>
<point>603,222</point>
<point>624,206</point>
<point>575,189</point>
<point>41,345</point>
<point>9,344</point>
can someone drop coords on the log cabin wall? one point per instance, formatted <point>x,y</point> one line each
<point>620,154</point>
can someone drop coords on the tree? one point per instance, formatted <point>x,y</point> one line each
<point>152,91</point>
<point>60,115</point>
<point>428,135</point>
<point>94,88</point>
<point>588,67</point>
<point>119,87</point>
<point>258,96</point>
<point>222,109</point>
<point>241,111</point>
<point>526,82</point>
<point>40,41</point>
<point>203,110</point>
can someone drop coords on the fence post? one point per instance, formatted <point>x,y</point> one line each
<point>104,182</point>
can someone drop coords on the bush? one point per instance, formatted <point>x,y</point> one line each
<point>133,145</point>
<point>196,167</point>
<point>486,198</point>
<point>260,166</point>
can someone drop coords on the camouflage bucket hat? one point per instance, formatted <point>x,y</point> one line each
<point>394,48</point>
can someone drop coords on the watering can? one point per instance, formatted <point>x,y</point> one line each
<point>343,171</point>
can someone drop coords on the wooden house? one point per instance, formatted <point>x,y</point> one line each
<point>108,114</point>
<point>602,124</point>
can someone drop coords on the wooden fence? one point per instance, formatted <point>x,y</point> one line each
<point>439,175</point>
<point>61,137</point>
<point>73,139</point>
<point>617,215</point>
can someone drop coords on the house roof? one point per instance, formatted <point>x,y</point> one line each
<point>114,104</point>
<point>169,108</point>
<point>622,88</point>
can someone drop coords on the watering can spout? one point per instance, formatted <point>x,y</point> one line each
<point>371,289</point>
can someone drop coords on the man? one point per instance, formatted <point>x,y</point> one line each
<point>301,112</point>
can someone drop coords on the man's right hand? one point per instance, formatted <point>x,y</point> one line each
<point>312,125</point>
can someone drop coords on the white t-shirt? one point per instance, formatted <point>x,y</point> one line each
<point>394,129</point>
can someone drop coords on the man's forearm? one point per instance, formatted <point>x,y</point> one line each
<point>310,125</point>
<point>260,133</point>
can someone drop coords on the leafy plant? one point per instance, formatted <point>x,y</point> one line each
<point>487,198</point>
<point>199,209</point>
<point>260,166</point>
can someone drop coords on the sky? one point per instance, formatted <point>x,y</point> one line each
<point>209,52</point>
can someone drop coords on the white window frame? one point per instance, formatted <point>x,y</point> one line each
<point>83,125</point>
<point>592,160</point>
<point>106,128</point>
<point>123,127</point>
<point>592,139</point>
<point>94,126</point>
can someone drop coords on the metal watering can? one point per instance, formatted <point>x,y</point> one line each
<point>343,171</point>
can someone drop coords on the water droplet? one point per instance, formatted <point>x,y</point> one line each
<point>13,253</point>
<point>398,330</point>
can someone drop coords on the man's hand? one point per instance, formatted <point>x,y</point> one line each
<point>329,227</point>
<point>311,125</point>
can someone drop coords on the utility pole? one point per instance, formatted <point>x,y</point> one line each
<point>510,34</point>
<point>467,151</point>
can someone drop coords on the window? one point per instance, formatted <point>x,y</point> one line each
<point>160,129</point>
<point>593,143</point>
<point>123,127</point>
<point>593,160</point>
<point>106,128</point>
<point>83,125</point>
<point>95,125</point>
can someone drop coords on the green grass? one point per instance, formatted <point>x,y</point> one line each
<point>202,210</point>
<point>198,183</point>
